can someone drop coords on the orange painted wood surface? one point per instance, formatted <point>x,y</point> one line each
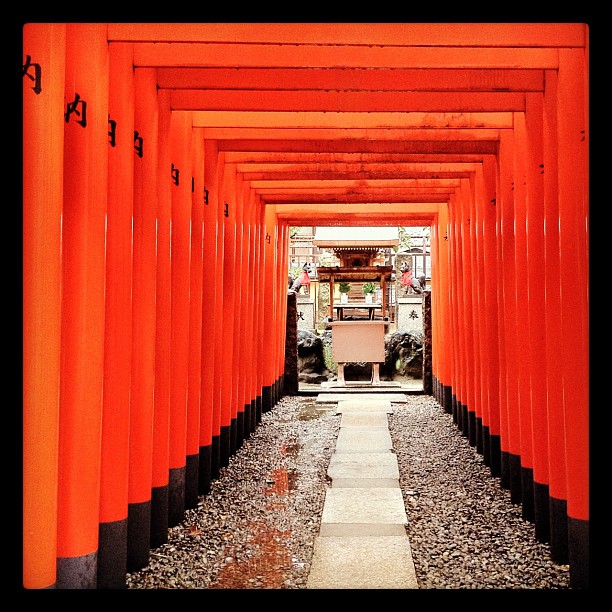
<point>118,290</point>
<point>196,287</point>
<point>163,302</point>
<point>144,289</point>
<point>83,278</point>
<point>211,300</point>
<point>44,48</point>
<point>179,175</point>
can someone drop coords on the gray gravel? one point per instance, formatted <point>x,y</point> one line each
<point>256,528</point>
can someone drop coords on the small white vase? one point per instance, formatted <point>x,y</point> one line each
<point>344,298</point>
<point>368,298</point>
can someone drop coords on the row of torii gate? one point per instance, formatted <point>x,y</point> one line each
<point>163,166</point>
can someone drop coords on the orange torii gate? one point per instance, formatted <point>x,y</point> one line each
<point>164,164</point>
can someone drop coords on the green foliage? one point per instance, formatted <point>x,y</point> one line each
<point>295,272</point>
<point>368,288</point>
<point>330,364</point>
<point>344,287</point>
<point>404,240</point>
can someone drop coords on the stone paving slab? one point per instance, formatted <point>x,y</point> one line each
<point>358,405</point>
<point>364,419</point>
<point>363,465</point>
<point>365,483</point>
<point>362,541</point>
<point>363,440</point>
<point>361,530</point>
<point>332,398</point>
<point>364,505</point>
<point>345,562</point>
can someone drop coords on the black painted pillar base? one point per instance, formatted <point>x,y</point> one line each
<point>504,465</point>
<point>224,449</point>
<point>191,481</point>
<point>254,414</point>
<point>247,421</point>
<point>266,398</point>
<point>215,457</point>
<point>239,429</point>
<point>259,410</point>
<point>486,445</point>
<point>159,516</point>
<point>578,540</point>
<point>478,434</point>
<point>541,512</point>
<point>205,470</point>
<point>527,494</point>
<point>139,535</point>
<point>281,387</point>
<point>515,479</point>
<point>77,572</point>
<point>471,428</point>
<point>112,555</point>
<point>455,410</point>
<point>495,455</point>
<point>448,398</point>
<point>559,547</point>
<point>176,496</point>
<point>233,436</point>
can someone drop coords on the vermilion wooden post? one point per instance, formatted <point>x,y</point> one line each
<point>256,268</point>
<point>263,239</point>
<point>468,415</point>
<point>457,366</point>
<point>282,272</point>
<point>491,330</point>
<point>260,229</point>
<point>434,286</point>
<point>143,319</point>
<point>255,334</point>
<point>257,315</point>
<point>228,203</point>
<point>222,434</point>
<point>83,272</point>
<point>163,332</point>
<point>507,317</point>
<point>573,143</point>
<point>473,299</point>
<point>195,323</point>
<point>554,335</point>
<point>522,315</point>
<point>209,435</point>
<point>269,262</point>
<point>537,305</point>
<point>179,175</point>
<point>44,47</point>
<point>112,553</point>
<point>504,191</point>
<point>250,311</point>
<point>480,328</point>
<point>238,319</point>
<point>444,318</point>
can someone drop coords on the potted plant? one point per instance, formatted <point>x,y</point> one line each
<point>368,290</point>
<point>344,289</point>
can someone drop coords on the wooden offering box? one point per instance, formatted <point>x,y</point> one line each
<point>358,341</point>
